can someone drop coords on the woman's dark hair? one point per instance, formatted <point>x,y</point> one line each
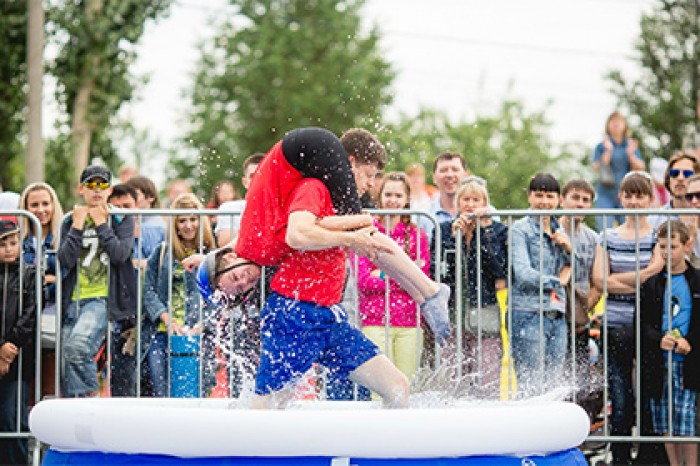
<point>544,182</point>
<point>638,183</point>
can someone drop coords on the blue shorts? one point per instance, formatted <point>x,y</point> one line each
<point>295,334</point>
<point>683,406</point>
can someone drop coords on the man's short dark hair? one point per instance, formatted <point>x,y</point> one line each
<point>449,156</point>
<point>146,186</point>
<point>253,159</point>
<point>544,182</point>
<point>121,190</point>
<point>364,146</point>
<point>580,185</point>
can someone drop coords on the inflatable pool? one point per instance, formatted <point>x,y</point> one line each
<point>196,431</point>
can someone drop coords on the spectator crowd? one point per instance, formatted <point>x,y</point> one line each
<point>531,294</point>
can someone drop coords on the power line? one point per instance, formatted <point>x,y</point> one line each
<point>510,45</point>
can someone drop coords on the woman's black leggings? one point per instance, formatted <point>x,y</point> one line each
<point>318,153</point>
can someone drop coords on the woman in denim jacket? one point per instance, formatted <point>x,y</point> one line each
<point>541,270</point>
<point>176,310</point>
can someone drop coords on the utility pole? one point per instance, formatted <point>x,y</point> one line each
<point>34,162</point>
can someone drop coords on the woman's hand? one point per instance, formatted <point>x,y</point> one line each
<point>607,144</point>
<point>8,352</point>
<point>632,146</point>
<point>192,262</point>
<point>464,223</point>
<point>565,275</point>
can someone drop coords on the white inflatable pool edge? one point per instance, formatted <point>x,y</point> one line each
<point>210,428</point>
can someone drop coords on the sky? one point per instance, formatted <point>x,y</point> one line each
<point>463,57</point>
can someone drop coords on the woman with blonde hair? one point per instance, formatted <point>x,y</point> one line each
<point>484,258</point>
<point>41,200</point>
<point>171,298</point>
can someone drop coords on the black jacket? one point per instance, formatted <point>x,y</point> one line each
<point>18,327</point>
<point>117,238</point>
<point>651,314</point>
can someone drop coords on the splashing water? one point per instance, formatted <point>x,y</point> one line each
<point>447,385</point>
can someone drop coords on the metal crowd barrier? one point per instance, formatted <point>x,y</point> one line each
<point>20,431</point>
<point>441,260</point>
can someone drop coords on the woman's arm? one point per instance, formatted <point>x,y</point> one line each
<point>623,282</point>
<point>152,302</point>
<point>345,222</point>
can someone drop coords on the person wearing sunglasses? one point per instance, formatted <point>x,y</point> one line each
<point>98,283</point>
<point>692,201</point>
<point>681,166</point>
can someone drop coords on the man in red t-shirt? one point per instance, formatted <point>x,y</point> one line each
<point>289,180</point>
<point>302,322</point>
<point>347,167</point>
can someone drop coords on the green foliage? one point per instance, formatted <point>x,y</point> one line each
<point>13,79</point>
<point>277,65</point>
<point>95,41</point>
<point>664,96</point>
<point>505,149</point>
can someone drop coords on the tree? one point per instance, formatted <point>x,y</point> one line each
<point>664,97</point>
<point>277,65</point>
<point>13,79</point>
<point>96,47</point>
<point>505,149</point>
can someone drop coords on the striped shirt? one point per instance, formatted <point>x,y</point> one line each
<point>622,257</point>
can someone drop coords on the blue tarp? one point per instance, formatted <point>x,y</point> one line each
<point>572,457</point>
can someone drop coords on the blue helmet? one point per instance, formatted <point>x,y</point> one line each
<point>206,274</point>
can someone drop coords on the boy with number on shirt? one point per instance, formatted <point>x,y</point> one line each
<point>99,281</point>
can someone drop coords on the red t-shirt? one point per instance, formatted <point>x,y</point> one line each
<point>261,238</point>
<point>314,276</point>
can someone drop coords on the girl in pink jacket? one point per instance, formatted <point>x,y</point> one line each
<point>396,327</point>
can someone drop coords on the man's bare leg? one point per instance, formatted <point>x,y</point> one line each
<point>381,376</point>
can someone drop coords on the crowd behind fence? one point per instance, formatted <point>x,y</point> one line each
<point>215,353</point>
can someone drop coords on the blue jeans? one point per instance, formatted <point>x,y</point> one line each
<point>84,329</point>
<point>525,343</point>
<point>13,450</point>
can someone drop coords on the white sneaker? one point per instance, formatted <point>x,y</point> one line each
<point>436,314</point>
